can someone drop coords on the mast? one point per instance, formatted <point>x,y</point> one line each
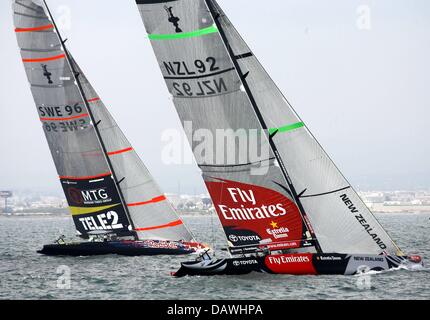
<point>283,168</point>
<point>84,98</point>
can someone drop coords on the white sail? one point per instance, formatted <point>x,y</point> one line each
<point>254,206</point>
<point>341,220</point>
<point>187,31</point>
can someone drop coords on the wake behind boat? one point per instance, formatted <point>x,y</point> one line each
<point>289,212</point>
<point>108,188</point>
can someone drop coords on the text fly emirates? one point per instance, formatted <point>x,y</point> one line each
<point>247,213</point>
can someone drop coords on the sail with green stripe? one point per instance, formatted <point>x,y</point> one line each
<point>334,216</point>
<point>249,190</point>
<point>183,35</point>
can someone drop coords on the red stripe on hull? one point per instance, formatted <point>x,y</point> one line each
<point>297,264</point>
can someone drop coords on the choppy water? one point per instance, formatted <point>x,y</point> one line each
<point>26,275</point>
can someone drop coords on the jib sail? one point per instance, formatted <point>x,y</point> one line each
<point>89,150</point>
<point>248,99</point>
<point>251,195</point>
<point>342,222</point>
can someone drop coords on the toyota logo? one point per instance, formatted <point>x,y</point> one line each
<point>233,238</point>
<point>236,263</point>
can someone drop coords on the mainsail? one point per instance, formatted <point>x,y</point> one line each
<point>107,186</point>
<point>239,94</point>
<point>250,192</point>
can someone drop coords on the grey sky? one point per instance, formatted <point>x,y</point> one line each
<point>363,93</point>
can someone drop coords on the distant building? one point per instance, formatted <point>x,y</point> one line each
<point>6,195</point>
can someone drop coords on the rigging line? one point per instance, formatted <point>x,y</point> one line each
<point>85,99</point>
<point>260,117</point>
<point>199,76</point>
<point>284,188</point>
<point>322,194</point>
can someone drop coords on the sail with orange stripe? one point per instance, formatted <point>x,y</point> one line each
<point>152,214</point>
<point>107,186</point>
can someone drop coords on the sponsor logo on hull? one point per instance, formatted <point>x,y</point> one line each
<point>238,263</point>
<point>290,264</point>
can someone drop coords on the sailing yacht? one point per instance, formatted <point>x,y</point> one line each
<point>301,215</point>
<point>116,205</point>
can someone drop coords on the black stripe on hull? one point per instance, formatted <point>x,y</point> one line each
<point>127,248</point>
<point>296,264</point>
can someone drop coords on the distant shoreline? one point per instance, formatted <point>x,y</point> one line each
<point>188,215</point>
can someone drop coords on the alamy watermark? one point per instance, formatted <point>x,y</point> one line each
<point>64,280</point>
<point>218,147</point>
<point>364,18</point>
<point>364,280</point>
<point>64,17</point>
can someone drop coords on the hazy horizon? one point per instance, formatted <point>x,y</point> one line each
<point>358,84</point>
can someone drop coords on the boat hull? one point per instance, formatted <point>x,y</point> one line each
<point>297,264</point>
<point>125,248</point>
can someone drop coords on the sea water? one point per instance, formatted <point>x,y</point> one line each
<point>24,274</point>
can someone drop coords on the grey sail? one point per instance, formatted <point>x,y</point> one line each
<point>151,212</point>
<point>106,184</point>
<point>183,32</point>
<point>86,176</point>
<point>250,193</point>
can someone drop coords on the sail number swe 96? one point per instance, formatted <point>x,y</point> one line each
<point>66,126</point>
<point>189,79</point>
<point>63,118</point>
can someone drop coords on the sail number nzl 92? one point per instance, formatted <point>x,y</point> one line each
<point>190,79</point>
